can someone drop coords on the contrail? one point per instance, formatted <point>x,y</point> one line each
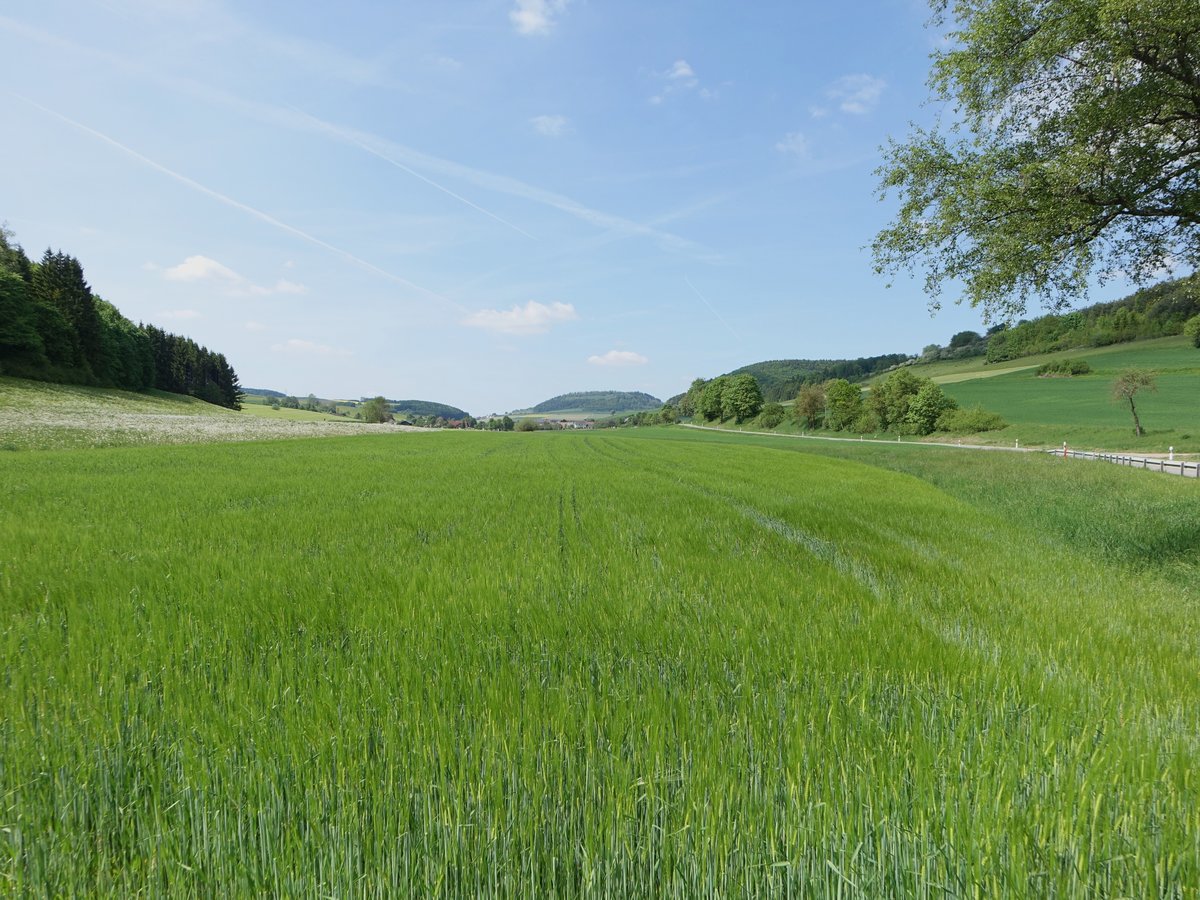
<point>346,135</point>
<point>389,151</point>
<point>236,204</point>
<point>710,308</point>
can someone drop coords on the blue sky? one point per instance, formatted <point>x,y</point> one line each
<point>480,203</point>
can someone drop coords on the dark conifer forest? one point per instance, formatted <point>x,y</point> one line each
<point>54,328</point>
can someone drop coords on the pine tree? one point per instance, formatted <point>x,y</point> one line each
<point>58,283</point>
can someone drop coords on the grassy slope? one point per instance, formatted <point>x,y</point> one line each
<point>36,415</point>
<point>652,663</point>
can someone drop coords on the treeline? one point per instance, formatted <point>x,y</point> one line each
<point>781,379</point>
<point>54,328</point>
<point>726,397</point>
<point>1152,312</point>
<point>901,403</point>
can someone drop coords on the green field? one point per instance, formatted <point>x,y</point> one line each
<point>285,414</point>
<point>656,663</point>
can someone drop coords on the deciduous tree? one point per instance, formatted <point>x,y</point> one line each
<point>843,404</point>
<point>376,410</point>
<point>809,408</point>
<point>709,403</point>
<point>1076,151</point>
<point>926,407</point>
<point>741,398</point>
<point>1128,385</point>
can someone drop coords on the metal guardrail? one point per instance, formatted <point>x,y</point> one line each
<point>1167,466</point>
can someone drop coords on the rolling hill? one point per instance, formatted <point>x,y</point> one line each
<point>412,408</point>
<point>598,402</point>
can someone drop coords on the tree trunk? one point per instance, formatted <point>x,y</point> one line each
<point>1137,425</point>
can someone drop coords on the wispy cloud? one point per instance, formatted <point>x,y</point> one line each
<point>551,126</point>
<point>856,94</point>
<point>202,268</point>
<point>681,71</point>
<point>536,17</point>
<point>532,318</point>
<point>309,348</point>
<point>236,204</point>
<point>794,143</point>
<point>619,358</point>
<point>255,326</point>
<point>680,78</point>
<point>179,314</point>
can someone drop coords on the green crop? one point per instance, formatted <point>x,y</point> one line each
<point>599,665</point>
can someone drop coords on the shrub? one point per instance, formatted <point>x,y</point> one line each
<point>867,423</point>
<point>1063,368</point>
<point>771,415</point>
<point>1191,328</point>
<point>970,421</point>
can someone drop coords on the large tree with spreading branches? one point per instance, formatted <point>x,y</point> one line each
<point>1073,152</point>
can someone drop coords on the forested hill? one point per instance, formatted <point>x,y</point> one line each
<point>603,402</point>
<point>54,328</point>
<point>417,408</point>
<point>1157,311</point>
<point>781,379</point>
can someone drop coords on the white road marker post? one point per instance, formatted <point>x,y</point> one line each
<point>1171,454</point>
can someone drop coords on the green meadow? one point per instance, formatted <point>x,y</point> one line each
<point>1080,409</point>
<point>650,663</point>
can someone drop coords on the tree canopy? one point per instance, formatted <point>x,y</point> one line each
<point>1076,151</point>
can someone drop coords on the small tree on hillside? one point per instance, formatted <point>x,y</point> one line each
<point>810,405</point>
<point>1127,385</point>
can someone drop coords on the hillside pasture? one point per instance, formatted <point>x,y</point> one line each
<point>576,665</point>
<point>1079,410</point>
